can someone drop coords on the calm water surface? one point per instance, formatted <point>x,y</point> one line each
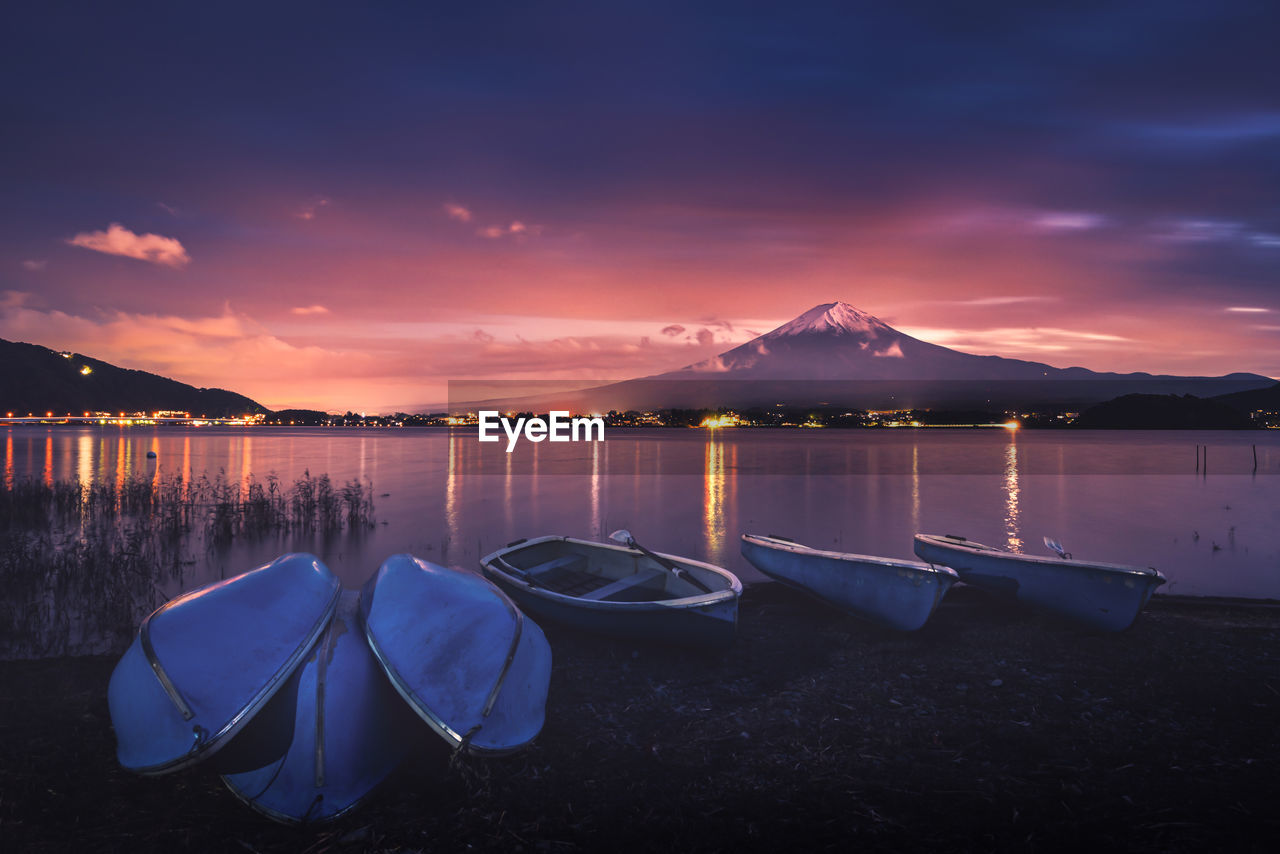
<point>1125,497</point>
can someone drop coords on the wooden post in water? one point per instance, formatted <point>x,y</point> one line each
<point>1255,459</point>
<point>1197,459</point>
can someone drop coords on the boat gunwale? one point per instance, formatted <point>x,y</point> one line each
<point>701,600</point>
<point>766,541</point>
<point>943,541</point>
<point>294,821</point>
<point>210,745</point>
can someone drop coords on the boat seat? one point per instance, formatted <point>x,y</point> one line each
<point>623,583</point>
<point>568,562</point>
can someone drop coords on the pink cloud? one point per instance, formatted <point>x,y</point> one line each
<point>714,365</point>
<point>305,310</point>
<point>334,363</point>
<point>893,351</point>
<point>458,212</point>
<point>516,229</point>
<point>310,211</point>
<point>118,240</point>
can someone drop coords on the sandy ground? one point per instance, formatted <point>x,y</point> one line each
<point>991,729</point>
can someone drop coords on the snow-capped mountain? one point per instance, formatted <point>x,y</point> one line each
<point>837,355</point>
<point>836,341</point>
<point>836,317</point>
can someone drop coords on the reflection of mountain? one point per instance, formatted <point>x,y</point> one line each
<point>839,355</point>
<point>38,380</point>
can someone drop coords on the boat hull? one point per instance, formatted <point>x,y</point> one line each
<point>205,664</point>
<point>897,594</point>
<point>701,619</point>
<point>460,652</point>
<point>1103,596</point>
<point>351,730</point>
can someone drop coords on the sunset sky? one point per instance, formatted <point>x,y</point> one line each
<point>343,208</point>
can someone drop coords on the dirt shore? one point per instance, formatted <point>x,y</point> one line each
<point>991,729</point>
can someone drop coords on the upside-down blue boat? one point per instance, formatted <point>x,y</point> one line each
<point>213,671</point>
<point>351,731</point>
<point>899,594</point>
<point>1103,595</point>
<point>459,652</point>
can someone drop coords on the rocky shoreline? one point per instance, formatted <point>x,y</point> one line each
<point>990,729</point>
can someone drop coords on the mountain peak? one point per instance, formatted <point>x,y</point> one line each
<point>838,317</point>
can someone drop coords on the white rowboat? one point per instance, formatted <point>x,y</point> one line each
<point>1103,595</point>
<point>899,594</point>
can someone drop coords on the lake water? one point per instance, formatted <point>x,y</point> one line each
<point>1207,519</point>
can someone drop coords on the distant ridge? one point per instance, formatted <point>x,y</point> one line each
<point>1267,398</point>
<point>36,379</point>
<point>1164,412</point>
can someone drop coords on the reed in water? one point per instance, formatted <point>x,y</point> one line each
<point>82,563</point>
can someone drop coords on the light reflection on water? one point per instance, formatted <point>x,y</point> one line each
<point>713,496</point>
<point>1013,542</point>
<point>596,521</point>
<point>692,492</point>
<point>915,486</point>
<point>451,489</point>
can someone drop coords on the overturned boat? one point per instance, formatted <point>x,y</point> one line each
<point>1103,595</point>
<point>351,730</point>
<point>214,671</point>
<point>898,594</point>
<point>460,652</point>
<point>622,590</point>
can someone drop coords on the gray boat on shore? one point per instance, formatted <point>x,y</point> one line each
<point>898,594</point>
<point>1102,595</point>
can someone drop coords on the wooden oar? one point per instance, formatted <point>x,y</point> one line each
<point>623,538</point>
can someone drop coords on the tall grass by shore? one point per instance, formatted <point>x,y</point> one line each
<point>82,563</point>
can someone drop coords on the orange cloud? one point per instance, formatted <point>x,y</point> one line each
<point>118,240</point>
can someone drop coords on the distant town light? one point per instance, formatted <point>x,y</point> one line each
<point>1011,425</point>
<point>86,370</point>
<point>729,419</point>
